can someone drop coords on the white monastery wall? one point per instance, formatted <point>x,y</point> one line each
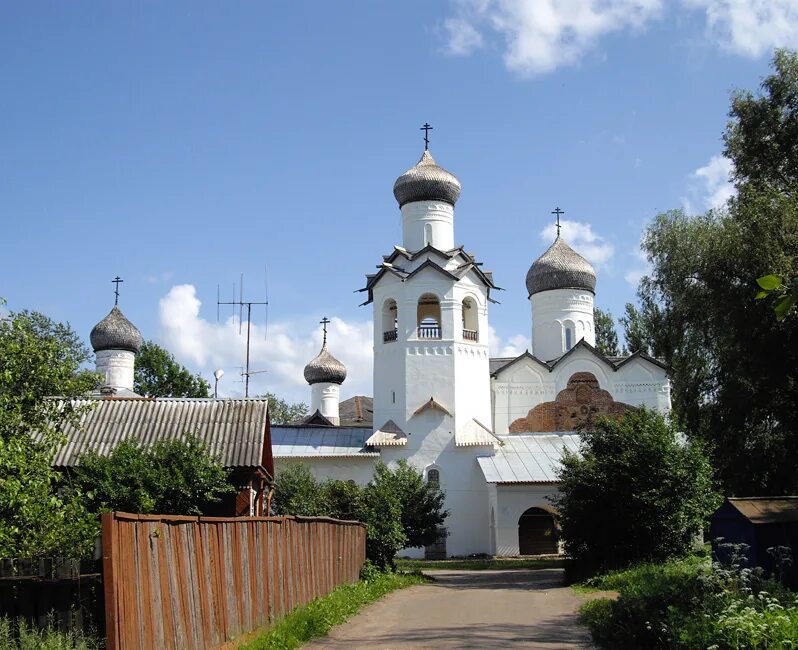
<point>524,385</point>
<point>117,367</point>
<point>508,503</point>
<point>359,470</point>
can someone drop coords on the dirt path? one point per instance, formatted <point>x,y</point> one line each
<point>470,609</point>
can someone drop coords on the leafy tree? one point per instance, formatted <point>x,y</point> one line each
<point>762,133</point>
<point>297,492</point>
<point>173,477</point>
<point>733,363</point>
<point>399,509</point>
<point>39,358</point>
<point>284,412</point>
<point>635,331</point>
<point>382,514</point>
<point>158,374</point>
<point>606,336</point>
<point>636,491</point>
<point>786,294</point>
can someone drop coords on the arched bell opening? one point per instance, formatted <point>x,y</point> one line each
<point>390,321</point>
<point>429,317</point>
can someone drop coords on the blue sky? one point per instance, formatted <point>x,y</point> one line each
<point>181,144</point>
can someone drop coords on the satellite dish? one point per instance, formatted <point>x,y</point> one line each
<point>218,374</point>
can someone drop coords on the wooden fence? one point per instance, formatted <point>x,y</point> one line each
<point>62,592</point>
<point>197,582</point>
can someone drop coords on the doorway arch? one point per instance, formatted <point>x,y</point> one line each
<point>537,533</point>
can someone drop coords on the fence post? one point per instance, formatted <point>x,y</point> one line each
<point>109,586</point>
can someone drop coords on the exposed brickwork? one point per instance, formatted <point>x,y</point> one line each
<point>576,404</point>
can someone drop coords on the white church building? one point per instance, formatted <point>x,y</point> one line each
<point>490,430</point>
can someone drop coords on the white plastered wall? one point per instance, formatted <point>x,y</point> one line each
<point>509,502</point>
<point>427,223</point>
<point>554,311</point>
<point>325,397</point>
<point>116,366</point>
<point>359,470</point>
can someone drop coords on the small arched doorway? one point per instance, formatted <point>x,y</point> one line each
<point>537,533</point>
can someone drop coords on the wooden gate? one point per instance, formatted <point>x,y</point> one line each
<point>537,533</point>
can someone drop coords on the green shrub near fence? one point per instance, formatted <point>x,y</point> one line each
<point>692,603</point>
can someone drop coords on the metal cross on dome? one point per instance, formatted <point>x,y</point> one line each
<point>116,281</point>
<point>324,322</point>
<point>558,212</point>
<point>426,128</point>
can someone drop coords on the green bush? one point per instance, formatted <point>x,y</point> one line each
<point>398,507</point>
<point>692,603</point>
<point>636,492</point>
<point>172,477</point>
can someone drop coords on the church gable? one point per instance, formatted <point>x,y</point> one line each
<point>580,401</point>
<point>526,364</point>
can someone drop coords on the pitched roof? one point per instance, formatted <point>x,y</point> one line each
<point>321,442</point>
<point>234,429</point>
<point>528,458</point>
<point>474,434</point>
<point>388,435</point>
<point>499,364</point>
<point>433,405</point>
<point>357,411</point>
<point>766,510</point>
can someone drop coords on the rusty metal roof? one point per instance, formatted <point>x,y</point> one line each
<point>233,429</point>
<point>766,510</point>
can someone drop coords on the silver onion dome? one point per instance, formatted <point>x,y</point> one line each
<point>325,368</point>
<point>115,332</point>
<point>427,181</point>
<point>560,267</point>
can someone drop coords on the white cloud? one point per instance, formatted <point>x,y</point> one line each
<point>709,185</point>
<point>582,239</point>
<point>750,27</point>
<point>641,267</point>
<point>542,35</point>
<point>511,347</point>
<point>206,345</point>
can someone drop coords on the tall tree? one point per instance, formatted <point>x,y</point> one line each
<point>39,359</point>
<point>158,374</point>
<point>734,365</point>
<point>606,336</point>
<point>635,330</point>
<point>284,412</point>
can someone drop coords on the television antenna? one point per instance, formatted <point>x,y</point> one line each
<point>242,304</point>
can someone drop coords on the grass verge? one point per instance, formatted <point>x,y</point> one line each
<point>479,565</point>
<point>318,617</point>
<point>20,636</point>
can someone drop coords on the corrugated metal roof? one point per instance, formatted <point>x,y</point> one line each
<point>767,510</point>
<point>528,458</point>
<point>233,429</point>
<point>474,434</point>
<point>321,442</point>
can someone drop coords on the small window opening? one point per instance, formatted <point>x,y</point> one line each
<point>434,476</point>
<point>429,317</point>
<point>568,338</point>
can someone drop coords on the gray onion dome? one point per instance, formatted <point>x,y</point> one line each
<point>426,182</point>
<point>325,368</point>
<point>560,267</point>
<point>115,332</point>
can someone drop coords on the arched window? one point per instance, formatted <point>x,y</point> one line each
<point>427,234</point>
<point>434,476</point>
<point>429,317</point>
<point>470,320</point>
<point>390,315</point>
<point>569,338</point>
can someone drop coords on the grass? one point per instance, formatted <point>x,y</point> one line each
<point>21,636</point>
<point>691,603</point>
<point>479,565</point>
<point>319,616</point>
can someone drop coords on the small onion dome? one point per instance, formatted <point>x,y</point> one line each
<point>115,332</point>
<point>426,182</point>
<point>560,267</point>
<point>325,368</point>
